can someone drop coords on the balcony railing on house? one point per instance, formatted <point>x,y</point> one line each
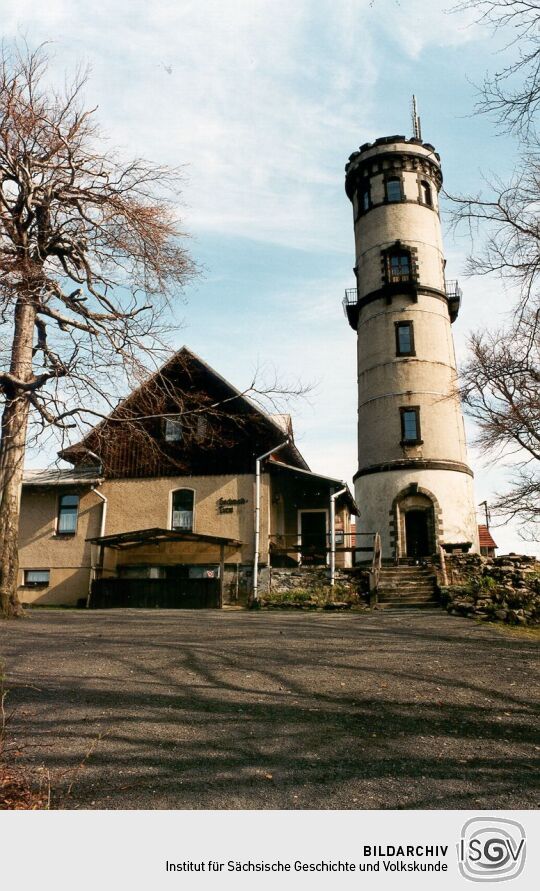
<point>313,549</point>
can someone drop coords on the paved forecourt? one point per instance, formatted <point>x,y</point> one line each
<point>210,709</point>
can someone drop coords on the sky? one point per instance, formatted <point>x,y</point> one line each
<point>261,102</point>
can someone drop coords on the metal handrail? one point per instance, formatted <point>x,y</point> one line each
<point>350,299</point>
<point>294,541</point>
<point>453,291</point>
<point>376,564</point>
<point>451,287</point>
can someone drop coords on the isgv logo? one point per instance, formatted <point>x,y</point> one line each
<point>491,849</point>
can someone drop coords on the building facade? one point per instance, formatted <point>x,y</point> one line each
<point>413,482</point>
<point>158,508</point>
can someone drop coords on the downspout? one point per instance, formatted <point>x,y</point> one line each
<point>333,497</point>
<point>258,463</point>
<point>103,511</point>
<point>101,534</point>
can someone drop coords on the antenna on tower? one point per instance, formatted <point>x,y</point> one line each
<point>417,132</point>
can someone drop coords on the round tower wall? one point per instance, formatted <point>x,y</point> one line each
<point>411,436</point>
<point>388,382</point>
<point>384,499</point>
<point>416,227</point>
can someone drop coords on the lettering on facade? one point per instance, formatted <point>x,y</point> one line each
<point>227,505</point>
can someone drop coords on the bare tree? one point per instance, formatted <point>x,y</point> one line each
<point>507,222</point>
<point>506,215</point>
<point>501,391</point>
<point>90,255</point>
<point>502,375</point>
<point>512,94</point>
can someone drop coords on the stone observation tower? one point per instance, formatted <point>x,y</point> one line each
<point>413,483</point>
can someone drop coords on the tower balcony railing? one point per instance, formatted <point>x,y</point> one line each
<point>454,295</point>
<point>350,299</point>
<point>451,287</point>
<point>453,291</point>
<point>350,306</point>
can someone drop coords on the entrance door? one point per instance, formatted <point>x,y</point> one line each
<point>313,536</point>
<point>416,532</point>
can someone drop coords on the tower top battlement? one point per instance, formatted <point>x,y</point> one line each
<point>400,151</point>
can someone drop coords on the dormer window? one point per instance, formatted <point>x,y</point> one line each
<point>173,429</point>
<point>393,189</point>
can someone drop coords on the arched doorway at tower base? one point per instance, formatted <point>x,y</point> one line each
<point>417,533</point>
<point>416,522</point>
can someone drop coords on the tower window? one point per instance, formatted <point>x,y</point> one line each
<point>365,197</point>
<point>404,339</point>
<point>173,429</point>
<point>182,510</point>
<point>399,267</point>
<point>68,509</point>
<point>393,189</point>
<point>410,426</point>
<point>425,193</point>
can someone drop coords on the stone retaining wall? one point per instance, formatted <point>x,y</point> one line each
<point>505,589</point>
<point>305,578</point>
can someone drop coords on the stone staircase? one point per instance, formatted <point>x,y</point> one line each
<point>407,586</point>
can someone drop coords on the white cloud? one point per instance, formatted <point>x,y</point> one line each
<point>262,100</point>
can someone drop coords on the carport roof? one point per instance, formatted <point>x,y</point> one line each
<point>156,536</point>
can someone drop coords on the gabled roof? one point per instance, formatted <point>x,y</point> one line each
<point>284,422</point>
<point>486,539</point>
<point>267,428</point>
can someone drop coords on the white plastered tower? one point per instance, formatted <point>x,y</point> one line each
<point>413,483</point>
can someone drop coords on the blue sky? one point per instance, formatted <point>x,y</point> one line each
<point>262,102</point>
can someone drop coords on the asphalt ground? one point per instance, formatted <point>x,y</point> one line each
<point>207,709</point>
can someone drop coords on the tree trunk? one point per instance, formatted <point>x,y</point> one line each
<point>12,451</point>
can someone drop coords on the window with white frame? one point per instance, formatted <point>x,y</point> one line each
<point>68,512</point>
<point>36,577</point>
<point>182,510</point>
